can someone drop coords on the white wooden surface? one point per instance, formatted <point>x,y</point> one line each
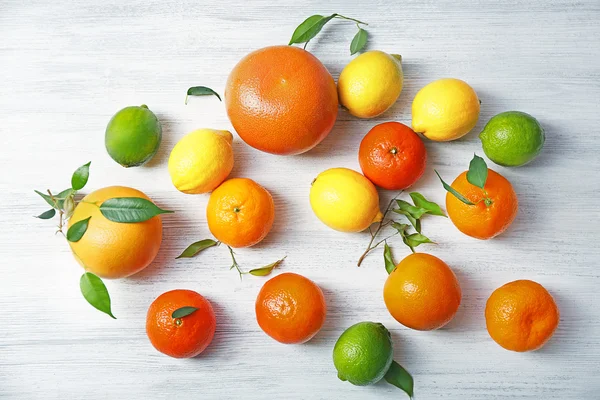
<point>67,66</point>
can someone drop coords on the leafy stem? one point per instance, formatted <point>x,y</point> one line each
<point>311,26</point>
<point>382,224</point>
<point>61,213</point>
<point>351,19</point>
<point>235,264</point>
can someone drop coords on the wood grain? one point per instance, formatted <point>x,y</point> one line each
<point>67,66</point>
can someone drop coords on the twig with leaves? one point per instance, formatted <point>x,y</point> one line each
<point>477,176</point>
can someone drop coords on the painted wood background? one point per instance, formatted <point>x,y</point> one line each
<point>67,66</point>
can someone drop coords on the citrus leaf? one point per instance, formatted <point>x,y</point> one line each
<point>47,198</point>
<point>183,312</point>
<point>95,292</point>
<point>76,231</point>
<point>416,212</point>
<point>267,269</point>
<point>401,228</point>
<point>416,223</point>
<point>80,177</point>
<point>130,209</point>
<point>388,259</point>
<point>478,171</point>
<point>309,28</point>
<point>47,214</point>
<point>415,239</point>
<point>454,192</point>
<point>62,196</point>
<point>431,207</point>
<point>359,41</point>
<point>400,378</point>
<point>197,247</point>
<point>201,91</point>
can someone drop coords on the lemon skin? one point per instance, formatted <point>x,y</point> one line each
<point>371,83</point>
<point>201,161</point>
<point>345,200</point>
<point>444,110</point>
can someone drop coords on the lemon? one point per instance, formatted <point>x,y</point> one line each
<point>445,110</point>
<point>371,83</point>
<point>345,200</point>
<point>201,160</point>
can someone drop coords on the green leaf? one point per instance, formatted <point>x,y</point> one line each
<point>80,177</point>
<point>130,209</point>
<point>47,198</point>
<point>309,28</point>
<point>478,171</point>
<point>416,223</point>
<point>267,269</point>
<point>415,239</point>
<point>390,265</point>
<point>47,214</point>
<point>77,230</point>
<point>183,312</point>
<point>197,247</point>
<point>454,192</point>
<point>68,207</point>
<point>416,212</point>
<point>359,41</point>
<point>201,91</point>
<point>400,378</point>
<point>431,207</point>
<point>401,228</point>
<point>62,196</point>
<point>95,292</point>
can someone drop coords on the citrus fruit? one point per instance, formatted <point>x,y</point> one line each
<point>281,100</point>
<point>422,293</point>
<point>290,308</point>
<point>113,249</point>
<point>371,83</point>
<point>240,212</point>
<point>133,136</point>
<point>445,110</point>
<point>363,353</point>
<point>201,160</point>
<point>521,316</point>
<point>512,138</point>
<point>182,337</point>
<point>392,156</point>
<point>483,221</point>
<point>345,200</point>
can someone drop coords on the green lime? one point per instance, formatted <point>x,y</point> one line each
<point>363,353</point>
<point>512,138</point>
<point>133,136</point>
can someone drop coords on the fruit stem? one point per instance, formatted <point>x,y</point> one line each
<point>394,150</point>
<point>144,106</point>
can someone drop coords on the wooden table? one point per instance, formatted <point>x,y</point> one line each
<point>66,67</point>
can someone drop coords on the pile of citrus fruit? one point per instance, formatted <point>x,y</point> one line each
<point>282,100</point>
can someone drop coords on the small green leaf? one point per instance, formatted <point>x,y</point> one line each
<point>47,214</point>
<point>80,177</point>
<point>416,212</point>
<point>183,312</point>
<point>390,265</point>
<point>95,292</point>
<point>76,231</point>
<point>478,171</point>
<point>401,228</point>
<point>416,223</point>
<point>47,198</point>
<point>267,269</point>
<point>130,209</point>
<point>201,91</point>
<point>62,196</point>
<point>454,192</point>
<point>415,239</point>
<point>431,207</point>
<point>359,41</point>
<point>400,378</point>
<point>309,28</point>
<point>197,247</point>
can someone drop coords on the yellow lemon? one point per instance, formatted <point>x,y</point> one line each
<point>345,200</point>
<point>201,160</point>
<point>445,110</point>
<point>371,83</point>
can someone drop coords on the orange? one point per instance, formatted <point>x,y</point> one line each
<point>392,156</point>
<point>112,249</point>
<point>290,308</point>
<point>281,100</point>
<point>483,221</point>
<point>183,337</point>
<point>521,316</point>
<point>240,212</point>
<point>422,293</point>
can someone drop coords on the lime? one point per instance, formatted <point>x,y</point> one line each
<point>512,138</point>
<point>363,353</point>
<point>133,136</point>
